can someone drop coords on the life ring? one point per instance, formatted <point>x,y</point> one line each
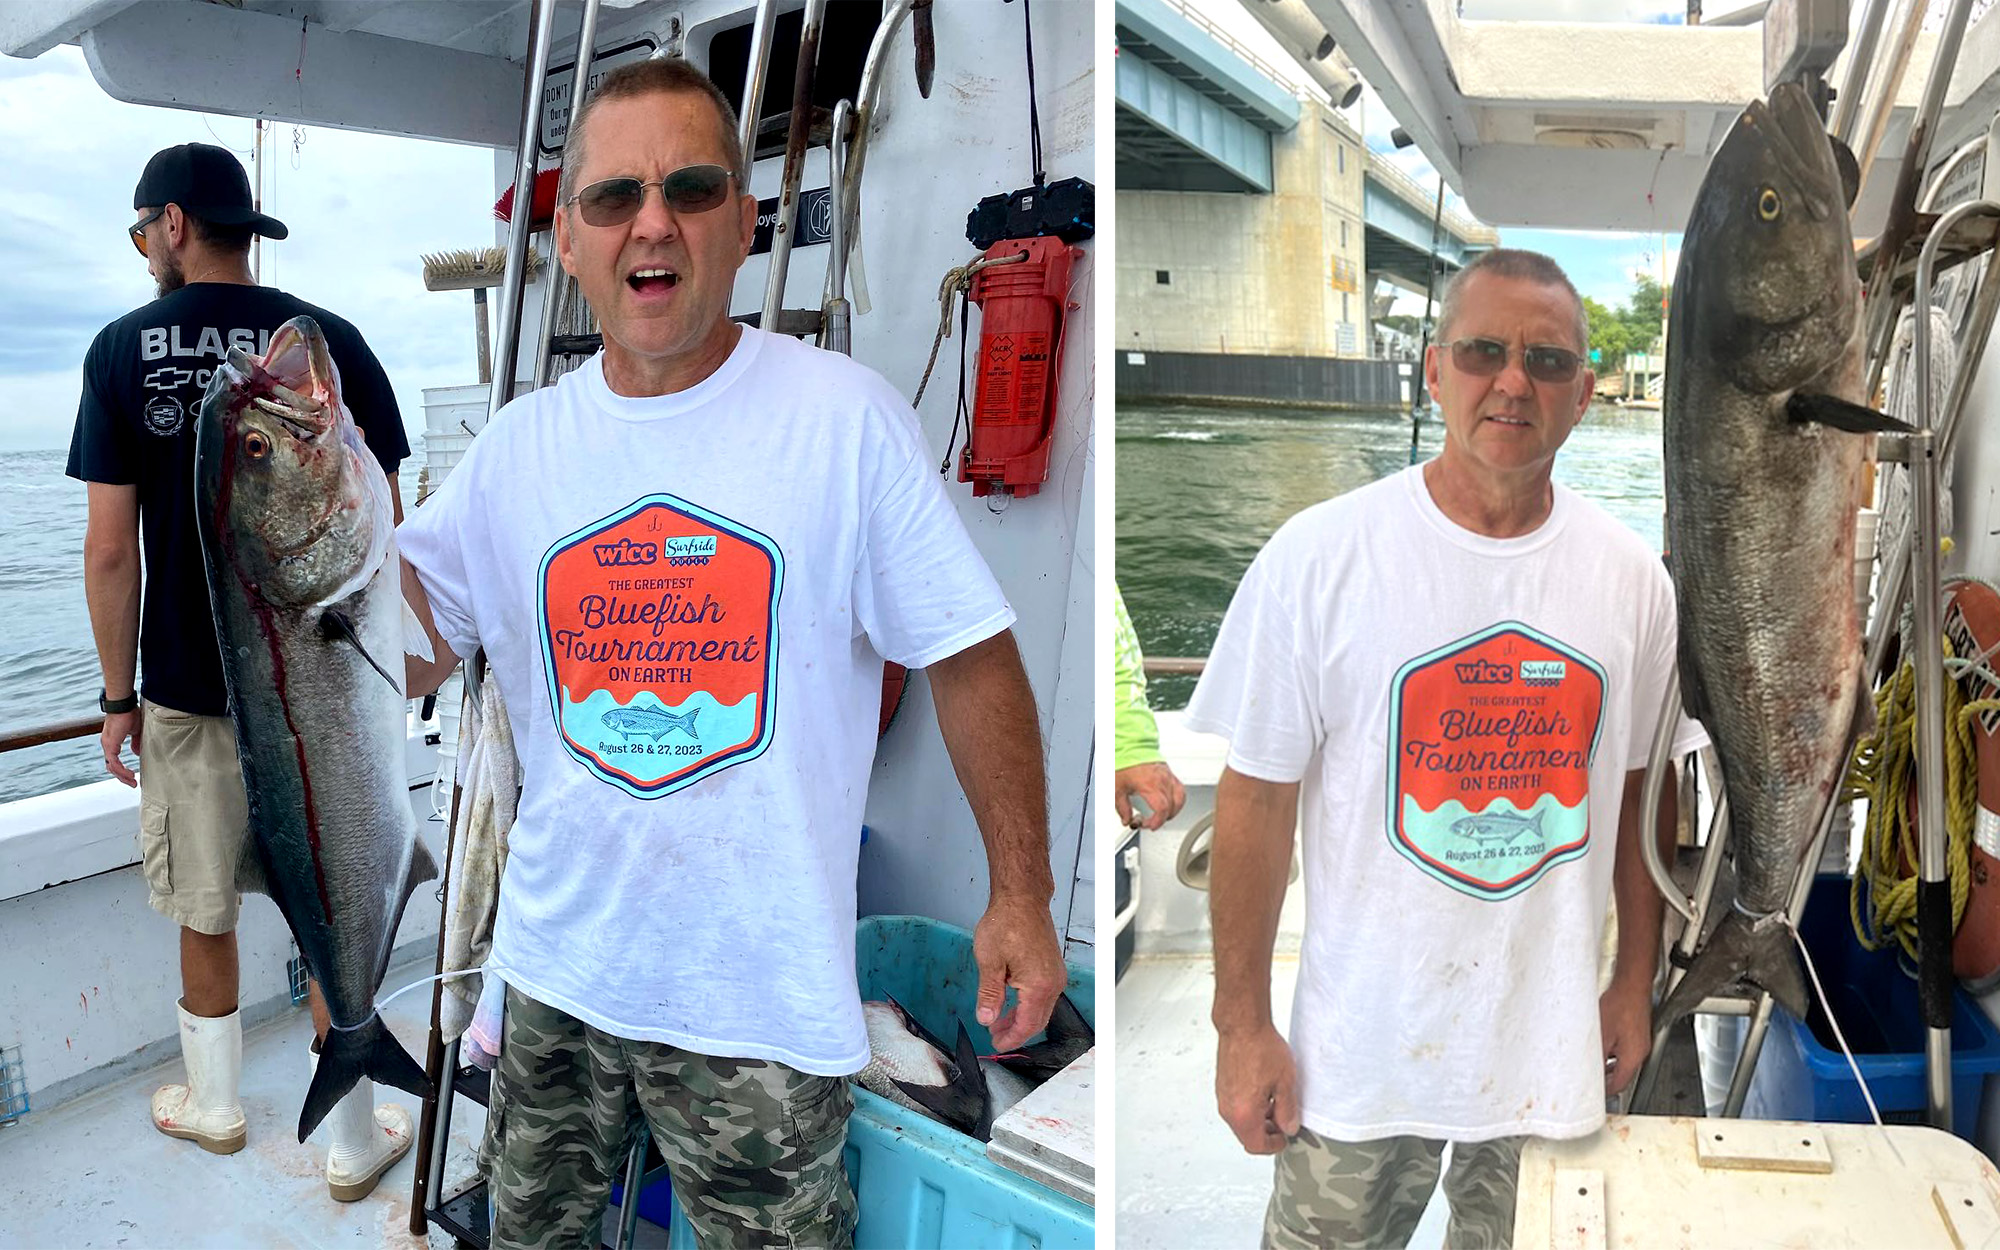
<point>1972,623</point>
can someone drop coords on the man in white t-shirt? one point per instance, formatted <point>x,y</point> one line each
<point>687,563</point>
<point>1451,677</point>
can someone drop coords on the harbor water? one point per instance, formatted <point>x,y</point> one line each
<point>1201,488</point>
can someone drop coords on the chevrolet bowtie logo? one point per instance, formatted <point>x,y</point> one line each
<point>167,378</point>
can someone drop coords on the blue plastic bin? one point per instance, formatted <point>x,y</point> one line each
<point>1802,1075</point>
<point>920,1185</point>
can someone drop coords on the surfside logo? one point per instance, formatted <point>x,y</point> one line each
<point>683,549</point>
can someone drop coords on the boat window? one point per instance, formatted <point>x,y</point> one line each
<point>843,50</point>
<point>1160,277</point>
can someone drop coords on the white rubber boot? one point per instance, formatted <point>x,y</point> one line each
<point>205,1110</point>
<point>366,1140</point>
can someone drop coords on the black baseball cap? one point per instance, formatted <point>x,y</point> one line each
<point>207,182</point>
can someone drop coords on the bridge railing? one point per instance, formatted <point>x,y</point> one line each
<point>1467,228</point>
<point>1289,82</point>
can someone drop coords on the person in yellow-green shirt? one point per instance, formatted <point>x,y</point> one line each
<point>1140,772</point>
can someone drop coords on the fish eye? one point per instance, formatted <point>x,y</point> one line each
<point>1768,205</point>
<point>256,446</point>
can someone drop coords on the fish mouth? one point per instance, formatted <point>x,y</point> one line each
<point>1798,144</point>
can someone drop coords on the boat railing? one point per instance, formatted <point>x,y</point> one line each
<point>1175,665</point>
<point>58,731</point>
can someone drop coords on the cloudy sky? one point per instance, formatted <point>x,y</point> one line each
<point>363,209</point>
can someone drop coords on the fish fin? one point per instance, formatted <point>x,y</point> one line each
<point>1066,1022</point>
<point>416,639</point>
<point>916,1026</point>
<point>335,625</point>
<point>1850,170</point>
<point>1841,414</point>
<point>346,1056</point>
<point>1758,953</point>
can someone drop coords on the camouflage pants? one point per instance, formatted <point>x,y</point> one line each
<point>754,1148</point>
<point>1371,1194</point>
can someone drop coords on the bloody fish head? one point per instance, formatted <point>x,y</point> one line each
<point>290,497</point>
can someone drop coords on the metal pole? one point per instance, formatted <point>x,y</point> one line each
<point>1658,763</point>
<point>514,286</point>
<point>836,332</point>
<point>1424,341</point>
<point>1880,309</point>
<point>753,83</point>
<point>849,201</point>
<point>1753,1044</point>
<point>553,276</point>
<point>1847,105</point>
<point>634,1180</point>
<point>786,218</point>
<point>1934,886</point>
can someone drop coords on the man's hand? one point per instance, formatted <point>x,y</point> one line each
<point>1015,944</point>
<point>1156,784</point>
<point>1625,1016</point>
<point>118,726</point>
<point>1257,1089</point>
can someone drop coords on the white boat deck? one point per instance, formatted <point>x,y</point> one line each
<point>92,1171</point>
<point>1184,1183</point>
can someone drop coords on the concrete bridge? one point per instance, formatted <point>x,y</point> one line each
<point>1198,112</point>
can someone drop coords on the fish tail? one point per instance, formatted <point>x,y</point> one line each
<point>347,1055</point>
<point>1759,952</point>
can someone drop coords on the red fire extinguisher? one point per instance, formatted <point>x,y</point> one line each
<point>1022,307</point>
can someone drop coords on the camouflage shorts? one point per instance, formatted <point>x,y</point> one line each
<point>754,1148</point>
<point>1371,1194</point>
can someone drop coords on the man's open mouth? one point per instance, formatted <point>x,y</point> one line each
<point>652,281</point>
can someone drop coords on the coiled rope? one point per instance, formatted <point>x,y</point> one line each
<point>1880,772</point>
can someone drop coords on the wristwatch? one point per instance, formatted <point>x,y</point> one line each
<point>111,707</point>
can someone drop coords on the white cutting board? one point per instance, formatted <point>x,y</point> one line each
<point>1050,1136</point>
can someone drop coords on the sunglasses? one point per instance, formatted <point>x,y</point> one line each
<point>1483,358</point>
<point>615,201</point>
<point>138,228</point>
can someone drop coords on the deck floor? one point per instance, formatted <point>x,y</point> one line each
<point>1184,1183</point>
<point>93,1172</point>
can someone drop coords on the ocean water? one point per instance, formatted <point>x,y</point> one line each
<point>1200,488</point>
<point>48,662</point>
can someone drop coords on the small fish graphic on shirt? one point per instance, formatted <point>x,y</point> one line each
<point>1491,827</point>
<point>647,722</point>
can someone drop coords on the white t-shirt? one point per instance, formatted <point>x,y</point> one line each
<point>687,601</point>
<point>1461,711</point>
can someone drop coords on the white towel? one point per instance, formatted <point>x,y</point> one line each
<point>489,778</point>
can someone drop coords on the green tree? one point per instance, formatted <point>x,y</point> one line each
<point>1645,312</point>
<point>1405,322</point>
<point>1609,336</point>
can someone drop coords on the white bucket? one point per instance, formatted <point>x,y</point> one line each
<point>455,409</point>
<point>443,451</point>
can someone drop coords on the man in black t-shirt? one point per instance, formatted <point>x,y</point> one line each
<point>143,382</point>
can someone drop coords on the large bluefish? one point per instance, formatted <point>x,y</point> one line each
<point>1763,469</point>
<point>298,530</point>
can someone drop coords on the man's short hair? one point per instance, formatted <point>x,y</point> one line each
<point>1512,262</point>
<point>657,76</point>
<point>228,240</point>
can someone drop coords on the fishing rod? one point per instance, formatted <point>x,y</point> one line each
<point>1417,396</point>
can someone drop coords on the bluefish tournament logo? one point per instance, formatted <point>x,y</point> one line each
<point>1490,740</point>
<point>659,630</point>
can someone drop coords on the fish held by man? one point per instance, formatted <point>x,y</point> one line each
<point>297,528</point>
<point>1763,472</point>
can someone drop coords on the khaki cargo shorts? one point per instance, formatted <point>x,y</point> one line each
<point>1371,1194</point>
<point>194,821</point>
